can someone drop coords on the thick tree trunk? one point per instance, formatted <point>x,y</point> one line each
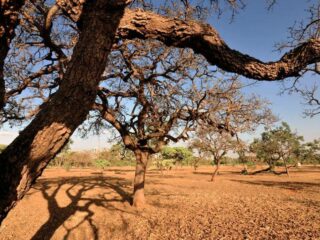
<point>8,21</point>
<point>24,160</point>
<point>216,170</point>
<point>139,178</point>
<point>205,40</point>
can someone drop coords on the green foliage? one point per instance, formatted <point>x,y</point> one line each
<point>181,155</point>
<point>310,152</point>
<point>102,163</point>
<point>164,164</point>
<point>116,156</point>
<point>250,163</point>
<point>278,144</point>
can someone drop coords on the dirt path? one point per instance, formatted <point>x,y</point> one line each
<point>85,204</point>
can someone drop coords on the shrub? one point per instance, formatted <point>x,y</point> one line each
<point>180,155</point>
<point>101,163</point>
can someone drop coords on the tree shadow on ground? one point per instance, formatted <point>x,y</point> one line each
<point>296,186</point>
<point>76,190</point>
<point>120,170</point>
<point>220,173</point>
<point>167,176</point>
<point>306,202</point>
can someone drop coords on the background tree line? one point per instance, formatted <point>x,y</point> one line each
<point>278,146</point>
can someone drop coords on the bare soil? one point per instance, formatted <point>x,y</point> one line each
<point>88,204</point>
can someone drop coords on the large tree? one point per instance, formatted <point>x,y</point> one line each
<point>24,160</point>
<point>64,110</point>
<point>152,95</point>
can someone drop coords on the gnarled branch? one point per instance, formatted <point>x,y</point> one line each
<point>205,40</point>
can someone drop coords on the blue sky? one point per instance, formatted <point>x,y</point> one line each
<point>254,31</point>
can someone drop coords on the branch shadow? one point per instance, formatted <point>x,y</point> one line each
<point>75,188</point>
<point>224,172</point>
<point>296,186</point>
<point>306,202</point>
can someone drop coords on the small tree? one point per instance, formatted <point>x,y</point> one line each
<point>237,114</point>
<point>242,149</point>
<point>310,152</point>
<point>215,143</point>
<point>277,144</point>
<point>62,158</point>
<point>179,155</point>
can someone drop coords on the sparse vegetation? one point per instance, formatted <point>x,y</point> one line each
<point>154,74</point>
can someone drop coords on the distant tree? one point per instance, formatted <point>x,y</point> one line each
<point>216,144</point>
<point>63,156</point>
<point>242,149</point>
<point>75,79</point>
<point>152,95</point>
<point>278,144</point>
<point>119,155</point>
<point>310,152</point>
<point>179,155</point>
<point>67,147</point>
<point>237,114</point>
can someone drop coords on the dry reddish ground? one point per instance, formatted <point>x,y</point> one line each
<point>85,204</point>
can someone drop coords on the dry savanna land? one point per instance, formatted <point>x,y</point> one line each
<point>181,204</point>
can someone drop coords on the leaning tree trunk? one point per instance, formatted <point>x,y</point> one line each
<point>216,170</point>
<point>268,169</point>
<point>139,178</point>
<point>24,160</point>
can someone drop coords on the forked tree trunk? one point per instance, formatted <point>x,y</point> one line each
<point>24,160</point>
<point>139,178</point>
<point>216,170</point>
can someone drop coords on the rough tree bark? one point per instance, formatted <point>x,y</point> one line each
<point>139,178</point>
<point>26,157</point>
<point>24,160</point>
<point>205,40</point>
<point>9,11</point>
